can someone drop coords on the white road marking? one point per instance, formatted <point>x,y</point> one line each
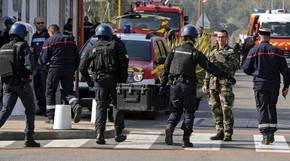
<point>4,144</point>
<point>139,141</point>
<point>72,143</point>
<point>201,141</point>
<point>280,145</point>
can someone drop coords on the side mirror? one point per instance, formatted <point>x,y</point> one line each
<point>161,60</point>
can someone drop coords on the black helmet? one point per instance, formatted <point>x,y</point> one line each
<point>104,30</point>
<point>8,20</point>
<point>19,30</point>
<point>190,31</point>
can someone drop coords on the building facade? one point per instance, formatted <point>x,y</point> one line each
<point>53,11</point>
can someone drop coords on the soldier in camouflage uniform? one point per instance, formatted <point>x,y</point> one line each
<point>221,96</point>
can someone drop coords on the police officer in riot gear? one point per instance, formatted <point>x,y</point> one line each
<point>109,66</point>
<point>180,72</point>
<point>5,38</point>
<point>265,63</point>
<point>4,35</point>
<point>59,53</point>
<point>16,79</point>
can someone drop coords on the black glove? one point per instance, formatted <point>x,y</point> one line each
<point>91,84</point>
<point>232,80</point>
<point>162,90</point>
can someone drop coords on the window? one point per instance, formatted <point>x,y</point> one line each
<point>1,4</point>
<point>278,29</point>
<point>144,22</point>
<point>42,8</point>
<point>174,18</point>
<point>27,10</point>
<point>17,5</point>
<point>138,50</point>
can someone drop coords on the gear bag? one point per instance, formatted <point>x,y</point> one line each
<point>106,63</point>
<point>8,58</point>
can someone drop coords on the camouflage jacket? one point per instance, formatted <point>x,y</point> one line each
<point>230,65</point>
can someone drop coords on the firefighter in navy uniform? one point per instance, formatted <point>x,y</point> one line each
<point>110,66</point>
<point>59,53</point>
<point>180,72</point>
<point>265,63</point>
<point>16,79</point>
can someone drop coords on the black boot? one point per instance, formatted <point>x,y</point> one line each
<point>77,114</point>
<point>228,138</point>
<point>29,141</point>
<point>186,139</point>
<point>101,137</point>
<point>218,136</point>
<point>119,136</point>
<point>110,114</point>
<point>169,135</point>
<point>266,139</point>
<point>272,138</point>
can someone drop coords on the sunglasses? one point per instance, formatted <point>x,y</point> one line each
<point>38,23</point>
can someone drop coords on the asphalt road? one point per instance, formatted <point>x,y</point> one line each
<point>146,139</point>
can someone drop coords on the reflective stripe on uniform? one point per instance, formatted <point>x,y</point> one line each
<point>183,52</point>
<point>50,107</point>
<point>72,100</point>
<point>267,125</point>
<point>7,50</point>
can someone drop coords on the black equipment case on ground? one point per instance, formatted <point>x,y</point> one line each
<point>141,97</point>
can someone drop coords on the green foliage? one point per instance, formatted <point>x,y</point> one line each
<point>96,10</point>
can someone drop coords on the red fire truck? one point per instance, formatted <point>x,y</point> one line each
<point>279,23</point>
<point>176,14</point>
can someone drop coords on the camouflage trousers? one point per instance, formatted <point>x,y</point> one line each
<point>221,103</point>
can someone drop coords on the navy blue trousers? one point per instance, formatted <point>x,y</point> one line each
<point>39,84</point>
<point>104,97</point>
<point>182,101</point>
<point>65,78</point>
<point>266,101</point>
<point>12,90</point>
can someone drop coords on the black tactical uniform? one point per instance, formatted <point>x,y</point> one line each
<point>16,80</point>
<point>5,38</point>
<point>180,68</point>
<point>109,66</point>
<point>59,52</point>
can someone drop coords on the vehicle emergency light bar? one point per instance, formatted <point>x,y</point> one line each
<point>157,2</point>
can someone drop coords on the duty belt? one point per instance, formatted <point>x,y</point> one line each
<point>16,79</point>
<point>180,77</point>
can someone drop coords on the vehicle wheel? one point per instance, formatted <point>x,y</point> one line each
<point>149,115</point>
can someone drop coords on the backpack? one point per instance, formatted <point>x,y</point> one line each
<point>106,64</point>
<point>9,63</point>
